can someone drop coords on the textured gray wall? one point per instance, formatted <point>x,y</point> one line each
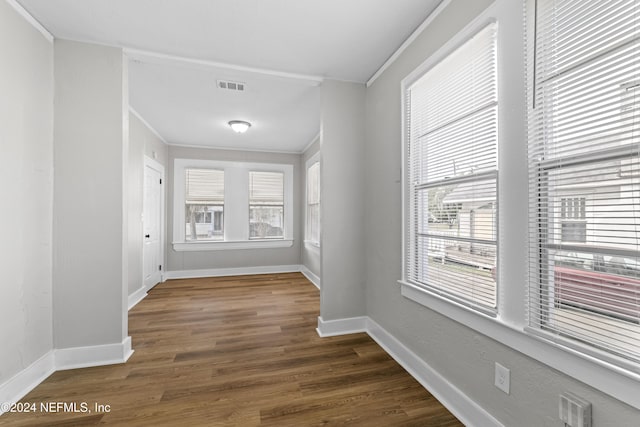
<point>89,232</point>
<point>342,210</point>
<point>26,193</point>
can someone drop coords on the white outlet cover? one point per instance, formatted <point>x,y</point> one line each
<point>502,378</point>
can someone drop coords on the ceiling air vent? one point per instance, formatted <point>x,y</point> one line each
<point>229,85</point>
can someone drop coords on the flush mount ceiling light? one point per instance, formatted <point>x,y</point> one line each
<point>239,126</point>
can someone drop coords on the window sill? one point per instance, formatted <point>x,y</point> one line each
<point>231,245</point>
<point>616,381</point>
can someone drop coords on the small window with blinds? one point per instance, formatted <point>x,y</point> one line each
<point>266,205</point>
<point>313,203</point>
<point>452,170</point>
<point>584,175</point>
<point>204,204</point>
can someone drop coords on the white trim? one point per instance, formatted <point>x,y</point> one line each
<point>231,244</point>
<point>136,297</point>
<point>18,386</point>
<point>146,123</point>
<point>237,271</point>
<point>240,149</point>
<point>97,355</point>
<point>148,56</point>
<point>432,16</point>
<point>458,403</point>
<point>351,325</point>
<point>311,276</point>
<point>33,21</point>
<point>315,138</point>
<point>610,379</point>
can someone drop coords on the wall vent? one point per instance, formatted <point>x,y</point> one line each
<point>229,85</point>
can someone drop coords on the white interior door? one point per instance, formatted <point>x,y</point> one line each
<point>153,207</point>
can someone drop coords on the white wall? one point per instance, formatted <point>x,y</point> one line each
<point>462,356</point>
<point>310,256</point>
<point>240,258</point>
<point>89,217</point>
<point>142,142</point>
<point>342,238</point>
<point>26,193</point>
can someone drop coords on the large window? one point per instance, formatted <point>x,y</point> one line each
<point>452,164</point>
<point>266,205</point>
<point>584,165</point>
<point>313,202</point>
<point>231,205</point>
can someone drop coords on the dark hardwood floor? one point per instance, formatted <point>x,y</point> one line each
<point>237,351</point>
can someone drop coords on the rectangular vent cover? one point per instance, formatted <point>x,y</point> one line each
<point>229,85</point>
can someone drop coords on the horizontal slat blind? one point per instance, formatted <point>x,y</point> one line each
<point>584,165</point>
<point>313,183</point>
<point>313,202</point>
<point>266,188</point>
<point>452,113</point>
<point>204,186</point>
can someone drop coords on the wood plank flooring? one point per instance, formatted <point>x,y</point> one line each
<point>238,351</point>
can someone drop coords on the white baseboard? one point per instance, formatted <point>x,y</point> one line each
<point>460,405</point>
<point>98,355</point>
<point>14,389</point>
<point>311,276</point>
<point>136,297</point>
<point>352,325</point>
<point>239,271</point>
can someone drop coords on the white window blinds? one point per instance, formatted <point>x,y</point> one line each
<point>584,166</point>
<point>204,186</point>
<point>313,202</point>
<point>266,188</point>
<point>266,205</point>
<point>452,126</point>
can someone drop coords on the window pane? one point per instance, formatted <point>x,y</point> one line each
<point>457,239</point>
<point>266,222</point>
<point>584,166</point>
<point>313,202</point>
<point>204,222</point>
<point>453,169</point>
<point>266,205</point>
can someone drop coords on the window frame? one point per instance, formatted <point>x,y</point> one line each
<point>509,327</point>
<point>236,214</point>
<point>309,239</point>
<point>273,205</point>
<point>478,298</point>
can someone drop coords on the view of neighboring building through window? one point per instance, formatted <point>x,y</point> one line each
<point>313,203</point>
<point>584,164</point>
<point>573,219</point>
<point>266,205</point>
<point>452,163</point>
<point>204,204</point>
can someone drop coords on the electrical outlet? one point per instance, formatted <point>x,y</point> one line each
<point>574,411</point>
<point>502,378</point>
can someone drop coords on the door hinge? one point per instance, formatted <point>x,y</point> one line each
<point>160,180</point>
<point>160,267</point>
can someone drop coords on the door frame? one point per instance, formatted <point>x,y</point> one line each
<point>159,167</point>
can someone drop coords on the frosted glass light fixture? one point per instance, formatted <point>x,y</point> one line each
<point>239,126</point>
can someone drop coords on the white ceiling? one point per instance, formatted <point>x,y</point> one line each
<point>280,48</point>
